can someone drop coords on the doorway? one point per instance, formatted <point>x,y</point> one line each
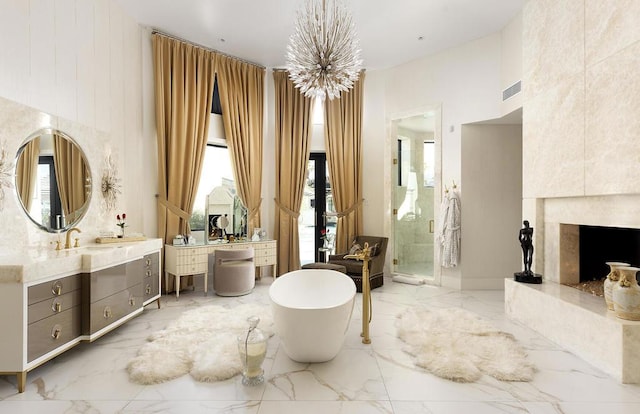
<point>415,178</point>
<point>317,224</point>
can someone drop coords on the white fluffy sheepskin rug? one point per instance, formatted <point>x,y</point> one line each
<point>202,342</point>
<point>460,346</point>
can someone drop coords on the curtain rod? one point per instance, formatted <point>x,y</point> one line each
<point>156,31</point>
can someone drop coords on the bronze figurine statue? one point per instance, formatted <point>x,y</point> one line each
<point>525,236</point>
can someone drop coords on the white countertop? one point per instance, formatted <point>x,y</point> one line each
<point>33,264</point>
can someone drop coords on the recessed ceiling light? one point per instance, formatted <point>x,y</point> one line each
<point>420,38</point>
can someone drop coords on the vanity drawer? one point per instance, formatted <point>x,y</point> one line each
<point>108,281</point>
<point>264,261</point>
<point>49,333</point>
<point>50,307</point>
<point>53,288</point>
<point>152,263</point>
<point>151,287</point>
<point>108,310</point>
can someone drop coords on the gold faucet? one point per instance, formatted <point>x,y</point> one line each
<point>67,243</point>
<point>365,256</point>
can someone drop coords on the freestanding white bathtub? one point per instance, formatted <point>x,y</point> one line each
<point>311,312</point>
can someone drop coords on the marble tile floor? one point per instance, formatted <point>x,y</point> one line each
<point>362,379</point>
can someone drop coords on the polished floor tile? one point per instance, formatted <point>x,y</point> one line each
<point>375,378</point>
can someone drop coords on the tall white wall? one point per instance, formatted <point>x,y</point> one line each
<point>466,83</point>
<point>76,65</point>
<point>491,204</point>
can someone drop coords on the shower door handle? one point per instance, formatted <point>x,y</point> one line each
<point>430,226</point>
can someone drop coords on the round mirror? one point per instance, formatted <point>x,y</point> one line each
<point>53,180</point>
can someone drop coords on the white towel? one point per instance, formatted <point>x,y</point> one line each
<point>451,231</point>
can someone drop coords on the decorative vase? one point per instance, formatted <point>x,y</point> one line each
<point>121,235</point>
<point>626,294</point>
<point>611,280</point>
<point>252,347</point>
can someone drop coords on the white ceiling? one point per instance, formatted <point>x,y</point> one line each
<point>259,30</point>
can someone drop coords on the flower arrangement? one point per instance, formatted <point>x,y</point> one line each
<point>121,222</point>
<point>327,238</point>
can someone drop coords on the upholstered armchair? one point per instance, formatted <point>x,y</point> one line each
<point>376,264</point>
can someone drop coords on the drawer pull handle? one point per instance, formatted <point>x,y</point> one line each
<point>132,301</point>
<point>148,290</point>
<point>56,288</point>
<point>56,331</point>
<point>56,306</point>
<point>148,262</point>
<point>107,312</point>
<point>148,273</point>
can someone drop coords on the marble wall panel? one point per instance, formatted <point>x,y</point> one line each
<point>553,141</point>
<point>610,26</point>
<point>553,39</point>
<point>612,118</point>
<point>551,252</point>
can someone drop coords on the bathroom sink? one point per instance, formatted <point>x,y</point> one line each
<point>99,248</point>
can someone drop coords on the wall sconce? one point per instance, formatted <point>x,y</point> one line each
<point>110,184</point>
<point>6,173</point>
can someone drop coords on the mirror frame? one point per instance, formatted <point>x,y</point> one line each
<point>89,183</point>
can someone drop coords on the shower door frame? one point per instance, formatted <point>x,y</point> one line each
<point>392,150</point>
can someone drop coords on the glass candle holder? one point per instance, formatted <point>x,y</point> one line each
<point>252,347</point>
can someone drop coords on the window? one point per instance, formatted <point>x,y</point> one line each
<point>216,170</point>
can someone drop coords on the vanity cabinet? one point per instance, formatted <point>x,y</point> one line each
<point>54,314</point>
<point>53,300</point>
<point>151,280</point>
<point>112,294</point>
<point>194,259</point>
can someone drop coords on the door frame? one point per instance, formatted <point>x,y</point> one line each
<point>392,147</point>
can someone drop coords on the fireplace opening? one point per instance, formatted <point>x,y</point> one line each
<point>599,245</point>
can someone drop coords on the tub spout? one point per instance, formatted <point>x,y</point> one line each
<point>365,256</point>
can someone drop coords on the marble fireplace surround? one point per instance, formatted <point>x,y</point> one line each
<point>578,321</point>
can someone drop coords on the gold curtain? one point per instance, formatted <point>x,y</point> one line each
<point>343,141</point>
<point>241,87</point>
<point>71,176</point>
<point>293,131</point>
<point>184,78</point>
<point>27,172</point>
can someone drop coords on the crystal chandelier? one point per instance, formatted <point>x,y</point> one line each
<point>323,55</point>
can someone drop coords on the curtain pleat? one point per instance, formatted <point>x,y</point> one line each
<point>343,141</point>
<point>293,131</point>
<point>69,165</point>
<point>184,78</point>
<point>241,87</point>
<point>27,172</point>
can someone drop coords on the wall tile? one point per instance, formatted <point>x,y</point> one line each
<point>612,148</point>
<point>553,142</point>
<point>610,26</point>
<point>42,85</point>
<point>86,66</point>
<point>116,70</point>
<point>102,65</point>
<point>553,44</point>
<point>65,58</point>
<point>14,48</point>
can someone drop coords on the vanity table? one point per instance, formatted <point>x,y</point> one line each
<point>194,259</point>
<point>54,299</point>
